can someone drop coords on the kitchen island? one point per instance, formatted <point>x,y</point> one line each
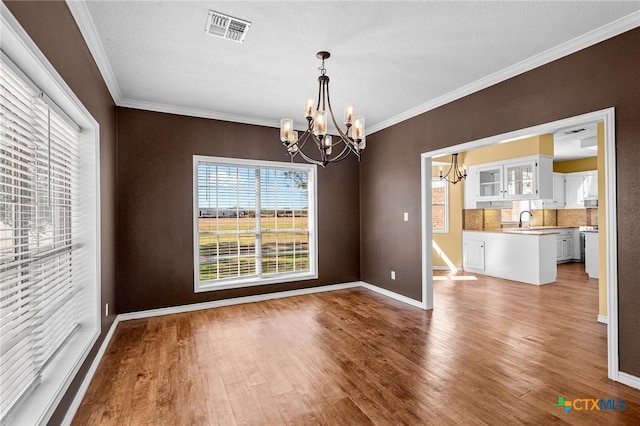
<point>525,255</point>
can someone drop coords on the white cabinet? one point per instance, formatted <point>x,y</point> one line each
<point>591,258</point>
<point>591,186</point>
<point>469,190</point>
<point>525,257</point>
<point>564,245</point>
<point>558,200</point>
<point>473,255</point>
<point>577,247</point>
<point>574,191</point>
<point>580,187</point>
<point>516,179</point>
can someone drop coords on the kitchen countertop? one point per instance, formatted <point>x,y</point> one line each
<point>534,230</point>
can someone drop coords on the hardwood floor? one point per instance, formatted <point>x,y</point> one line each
<point>491,352</point>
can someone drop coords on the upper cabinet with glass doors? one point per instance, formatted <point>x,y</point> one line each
<point>516,179</point>
<point>489,180</point>
<point>519,178</point>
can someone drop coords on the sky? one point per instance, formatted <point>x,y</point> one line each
<point>227,187</point>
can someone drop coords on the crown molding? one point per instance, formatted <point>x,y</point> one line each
<point>197,112</point>
<point>82,16</point>
<point>88,30</point>
<point>598,35</point>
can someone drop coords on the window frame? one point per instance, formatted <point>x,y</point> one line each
<point>445,229</point>
<point>204,286</point>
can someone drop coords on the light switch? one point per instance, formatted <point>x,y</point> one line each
<point>393,275</point>
<point>406,217</point>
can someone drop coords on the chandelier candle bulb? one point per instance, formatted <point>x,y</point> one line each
<point>326,144</point>
<point>349,112</point>
<point>320,123</point>
<point>308,108</point>
<point>286,130</point>
<point>358,128</point>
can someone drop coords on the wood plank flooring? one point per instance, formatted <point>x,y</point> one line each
<point>492,352</point>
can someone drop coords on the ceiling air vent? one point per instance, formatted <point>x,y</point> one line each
<point>573,132</point>
<point>221,25</point>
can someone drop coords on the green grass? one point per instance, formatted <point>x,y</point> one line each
<point>234,246</point>
<point>270,265</point>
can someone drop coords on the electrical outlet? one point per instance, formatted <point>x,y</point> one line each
<point>393,275</point>
<point>406,217</point>
<point>106,309</point>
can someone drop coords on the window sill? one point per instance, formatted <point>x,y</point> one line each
<point>38,407</point>
<point>205,286</point>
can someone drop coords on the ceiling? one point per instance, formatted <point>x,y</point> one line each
<point>575,142</point>
<point>391,59</point>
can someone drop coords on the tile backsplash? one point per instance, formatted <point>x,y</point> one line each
<point>577,217</point>
<point>546,217</point>
<point>487,219</point>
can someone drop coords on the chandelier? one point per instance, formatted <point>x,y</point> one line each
<point>351,140</point>
<point>454,170</point>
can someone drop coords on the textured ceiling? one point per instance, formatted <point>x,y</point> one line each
<point>386,57</point>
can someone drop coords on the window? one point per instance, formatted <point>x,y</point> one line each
<point>254,222</point>
<point>48,254</point>
<point>512,215</point>
<point>49,231</point>
<point>440,205</point>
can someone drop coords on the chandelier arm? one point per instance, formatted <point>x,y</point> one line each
<point>325,84</point>
<point>309,159</point>
<point>319,95</point>
<point>302,142</point>
<point>345,137</point>
<point>445,177</point>
<point>305,137</point>
<point>343,155</point>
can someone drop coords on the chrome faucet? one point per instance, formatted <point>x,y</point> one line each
<point>520,221</point>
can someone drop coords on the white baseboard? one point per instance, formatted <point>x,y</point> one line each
<point>603,319</point>
<point>391,294</point>
<point>235,301</point>
<point>77,400</point>
<point>629,380</point>
<point>447,268</point>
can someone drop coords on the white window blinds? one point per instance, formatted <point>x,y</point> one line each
<point>40,264</point>
<point>253,221</point>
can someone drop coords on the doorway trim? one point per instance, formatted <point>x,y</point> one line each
<point>608,116</point>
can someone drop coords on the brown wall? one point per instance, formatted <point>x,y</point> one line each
<point>54,31</point>
<point>155,207</point>
<point>602,76</point>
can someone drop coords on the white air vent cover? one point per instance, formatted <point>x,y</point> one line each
<point>228,27</point>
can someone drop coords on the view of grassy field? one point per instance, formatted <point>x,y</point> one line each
<point>228,246</point>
